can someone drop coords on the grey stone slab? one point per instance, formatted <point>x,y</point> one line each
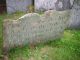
<point>43,5</point>
<point>74,22</point>
<point>17,5</point>
<point>35,28</point>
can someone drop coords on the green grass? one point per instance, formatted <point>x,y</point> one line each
<point>1,39</point>
<point>66,48</point>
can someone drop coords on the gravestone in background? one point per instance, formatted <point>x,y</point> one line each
<point>74,22</point>
<point>43,5</point>
<point>33,28</point>
<point>74,5</point>
<point>17,5</point>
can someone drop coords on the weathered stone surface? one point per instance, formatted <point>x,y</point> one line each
<point>74,22</point>
<point>17,5</point>
<point>42,5</point>
<point>35,28</point>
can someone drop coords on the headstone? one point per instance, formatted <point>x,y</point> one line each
<point>43,5</point>
<point>74,22</point>
<point>17,5</point>
<point>35,28</point>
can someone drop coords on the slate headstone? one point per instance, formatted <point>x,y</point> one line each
<point>35,28</point>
